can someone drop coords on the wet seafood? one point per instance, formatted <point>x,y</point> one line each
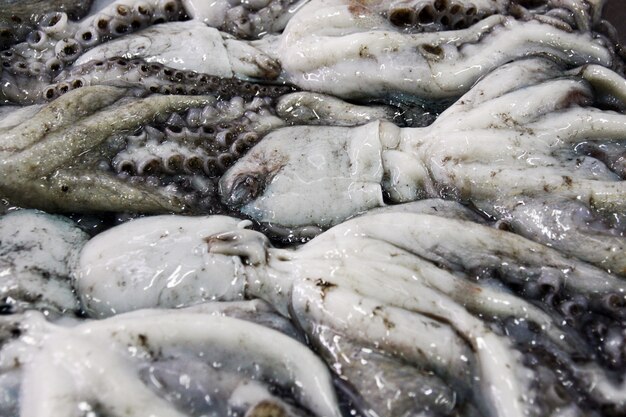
<point>329,41</point>
<point>19,17</point>
<point>37,252</point>
<point>374,280</point>
<point>93,149</point>
<point>507,299</point>
<point>418,66</point>
<point>485,149</point>
<point>120,364</point>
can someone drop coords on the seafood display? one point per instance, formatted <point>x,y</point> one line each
<point>322,208</point>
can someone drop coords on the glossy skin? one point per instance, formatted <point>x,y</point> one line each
<point>99,364</point>
<point>380,281</point>
<point>422,65</point>
<point>485,149</point>
<point>422,61</point>
<point>94,149</point>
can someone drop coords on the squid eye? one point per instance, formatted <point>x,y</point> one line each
<point>243,190</point>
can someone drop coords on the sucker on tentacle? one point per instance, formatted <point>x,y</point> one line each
<point>156,78</point>
<point>415,64</point>
<point>19,17</point>
<point>62,39</point>
<point>244,19</point>
<point>35,153</point>
<point>170,160</point>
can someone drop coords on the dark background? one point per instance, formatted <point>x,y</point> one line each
<point>615,12</point>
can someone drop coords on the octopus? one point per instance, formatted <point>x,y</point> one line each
<point>173,164</point>
<point>360,49</point>
<point>530,167</point>
<point>165,154</point>
<point>205,360</point>
<point>392,287</point>
<point>433,58</point>
<point>451,172</point>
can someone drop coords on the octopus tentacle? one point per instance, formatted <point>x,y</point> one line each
<point>137,112</point>
<point>314,108</point>
<point>65,112</point>
<point>577,229</point>
<point>420,390</point>
<point>423,340</point>
<point>117,19</point>
<point>80,354</point>
<point>245,20</point>
<point>498,110</point>
<point>578,124</point>
<point>446,353</point>
<point>40,145</point>
<point>231,57</point>
<point>155,78</point>
<point>75,189</point>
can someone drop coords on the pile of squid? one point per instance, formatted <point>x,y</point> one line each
<point>312,208</point>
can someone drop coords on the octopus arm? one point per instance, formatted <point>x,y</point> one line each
<point>570,227</point>
<point>321,109</point>
<point>96,364</point>
<point>50,147</point>
<point>605,193</point>
<point>384,384</point>
<point>59,146</point>
<point>505,383</point>
<point>59,114</point>
<point>583,124</point>
<point>438,240</point>
<point>520,107</point>
<point>408,270</point>
<point>54,382</point>
<point>207,51</point>
<point>242,342</point>
<point>418,339</point>
<point>507,78</point>
<point>69,190</point>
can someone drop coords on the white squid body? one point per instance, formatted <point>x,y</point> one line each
<point>68,369</point>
